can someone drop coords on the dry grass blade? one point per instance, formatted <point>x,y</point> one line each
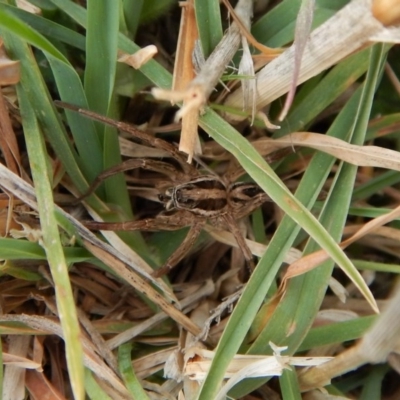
<point>374,347</point>
<point>139,58</point>
<point>363,156</point>
<point>302,31</point>
<point>187,303</point>
<point>258,249</point>
<point>104,252</point>
<point>267,53</point>
<point>311,261</point>
<point>198,360</point>
<point>197,92</point>
<point>347,31</point>
<point>184,72</point>
<point>9,69</point>
<point>91,359</point>
<point>9,75</point>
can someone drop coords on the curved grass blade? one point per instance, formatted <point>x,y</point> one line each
<point>152,69</point>
<point>48,28</point>
<point>101,53</point>
<point>52,245</point>
<point>208,18</point>
<point>125,366</point>
<point>16,249</point>
<point>132,11</point>
<point>262,278</point>
<point>15,33</point>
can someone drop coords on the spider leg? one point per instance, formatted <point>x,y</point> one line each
<point>161,222</point>
<point>234,229</point>
<point>135,132</point>
<point>183,248</point>
<point>151,165</point>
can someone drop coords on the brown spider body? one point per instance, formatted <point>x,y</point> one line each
<point>206,196</point>
<point>191,200</point>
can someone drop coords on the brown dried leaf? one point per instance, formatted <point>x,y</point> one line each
<point>29,7</point>
<point>348,31</point>
<point>142,286</point>
<point>365,156</point>
<point>267,53</point>
<point>302,32</point>
<point>14,376</point>
<point>141,57</point>
<point>313,260</point>
<point>9,69</point>
<point>38,385</point>
<point>8,140</point>
<point>21,362</point>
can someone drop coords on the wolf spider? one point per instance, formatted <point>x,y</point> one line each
<point>190,199</point>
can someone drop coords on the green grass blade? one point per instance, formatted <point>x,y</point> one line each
<point>52,245</point>
<point>101,53</point>
<point>13,24</point>
<point>276,28</point>
<point>75,11</point>
<point>153,9</point>
<point>260,171</point>
<point>260,282</point>
<point>208,18</point>
<point>132,11</point>
<point>336,333</point>
<point>83,130</point>
<point>298,307</point>
<point>48,28</point>
<point>101,60</point>
<point>17,249</point>
<point>152,70</point>
<point>374,383</point>
<point>309,105</point>
<point>289,385</point>
<point>125,366</point>
<point>93,389</point>
<point>71,90</point>
<point>44,109</point>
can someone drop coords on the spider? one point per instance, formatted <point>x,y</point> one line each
<point>191,198</point>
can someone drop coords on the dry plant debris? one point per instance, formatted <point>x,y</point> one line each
<point>249,296</point>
